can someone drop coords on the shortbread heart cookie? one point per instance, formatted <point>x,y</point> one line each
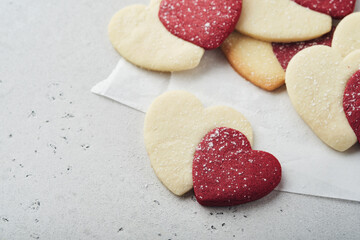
<point>174,125</point>
<point>281,21</point>
<point>206,23</point>
<point>315,81</point>
<point>351,103</point>
<point>263,63</point>
<point>347,35</point>
<point>138,35</point>
<point>226,171</point>
<point>334,8</point>
<point>284,52</point>
<point>254,60</point>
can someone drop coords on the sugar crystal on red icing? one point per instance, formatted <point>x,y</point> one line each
<point>206,23</point>
<point>226,171</point>
<point>351,103</point>
<point>334,8</point>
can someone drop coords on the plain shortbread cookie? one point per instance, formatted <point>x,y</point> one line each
<point>315,79</point>
<point>281,21</point>
<point>254,60</point>
<point>347,35</point>
<point>138,35</point>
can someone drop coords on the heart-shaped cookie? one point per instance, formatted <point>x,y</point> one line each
<point>351,103</point>
<point>347,35</point>
<point>315,80</point>
<point>174,125</point>
<point>334,8</point>
<point>284,52</point>
<point>281,21</point>
<point>138,35</point>
<point>206,23</point>
<point>226,171</point>
<point>254,60</point>
<point>263,63</point>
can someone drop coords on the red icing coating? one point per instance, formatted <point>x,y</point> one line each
<point>226,171</point>
<point>351,103</point>
<point>284,52</point>
<point>334,8</point>
<point>206,23</point>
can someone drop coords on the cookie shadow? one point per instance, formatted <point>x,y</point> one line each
<point>257,204</point>
<point>353,150</point>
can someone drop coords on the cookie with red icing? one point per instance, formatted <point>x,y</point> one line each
<point>351,103</point>
<point>315,81</point>
<point>174,125</point>
<point>226,171</point>
<point>334,8</point>
<point>284,52</point>
<point>205,23</point>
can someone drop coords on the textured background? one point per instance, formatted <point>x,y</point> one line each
<point>73,164</point>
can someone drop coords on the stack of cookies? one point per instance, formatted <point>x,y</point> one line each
<point>171,35</point>
<point>269,43</point>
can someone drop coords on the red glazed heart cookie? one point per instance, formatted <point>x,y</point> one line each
<point>334,8</point>
<point>284,52</point>
<point>174,125</point>
<point>206,23</point>
<point>226,171</point>
<point>351,103</point>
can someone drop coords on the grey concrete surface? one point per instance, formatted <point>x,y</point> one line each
<point>73,164</point>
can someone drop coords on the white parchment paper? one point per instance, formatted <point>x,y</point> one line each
<point>132,86</point>
<point>309,165</point>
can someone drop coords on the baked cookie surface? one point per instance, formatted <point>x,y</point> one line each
<point>138,35</point>
<point>174,125</point>
<point>347,35</point>
<point>254,60</point>
<point>206,23</point>
<point>315,79</point>
<point>281,21</point>
<point>334,8</point>
<point>226,171</point>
